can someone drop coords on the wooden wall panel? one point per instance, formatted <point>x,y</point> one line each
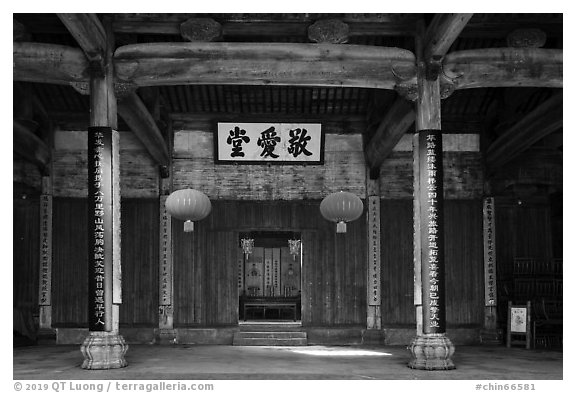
<point>205,276</point>
<point>522,231</point>
<point>221,282</point>
<point>463,262</point>
<point>139,249</point>
<point>70,262</point>
<point>344,168</point>
<point>463,175</point>
<point>139,175</point>
<point>334,270</point>
<point>26,173</point>
<point>26,253</point>
<point>140,227</point>
<point>187,292</point>
<point>397,262</point>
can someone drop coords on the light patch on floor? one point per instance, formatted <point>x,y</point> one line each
<point>325,351</point>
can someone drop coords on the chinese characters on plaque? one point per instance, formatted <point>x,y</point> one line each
<point>252,143</point>
<point>45,250</point>
<point>100,221</point>
<point>431,200</point>
<point>489,253</point>
<point>374,251</point>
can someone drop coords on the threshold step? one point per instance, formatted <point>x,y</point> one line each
<point>270,342</point>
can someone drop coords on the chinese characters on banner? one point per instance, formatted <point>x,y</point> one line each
<point>489,253</point>
<point>268,272</point>
<point>100,231</point>
<point>165,254</point>
<point>374,251</point>
<point>431,205</point>
<point>251,143</point>
<point>276,271</point>
<point>45,250</point>
<point>240,275</point>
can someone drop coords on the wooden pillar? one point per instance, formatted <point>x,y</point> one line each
<point>490,333</point>
<point>373,287</point>
<point>104,347</point>
<point>46,333</point>
<point>431,349</point>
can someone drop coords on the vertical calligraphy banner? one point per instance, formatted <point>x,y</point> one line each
<point>432,232</point>
<point>100,221</point>
<point>489,253</point>
<point>240,259</point>
<point>276,271</point>
<point>165,272</point>
<point>374,251</point>
<point>45,293</point>
<point>267,272</point>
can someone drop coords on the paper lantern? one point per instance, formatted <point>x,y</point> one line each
<point>188,205</point>
<point>341,207</point>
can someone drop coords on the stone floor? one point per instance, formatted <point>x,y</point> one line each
<point>221,362</point>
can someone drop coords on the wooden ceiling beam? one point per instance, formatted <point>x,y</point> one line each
<point>29,146</point>
<point>289,64</point>
<point>542,121</point>
<point>138,118</point>
<point>396,122</point>
<point>49,63</point>
<point>504,67</point>
<point>89,33</point>
<point>439,37</point>
<point>263,64</point>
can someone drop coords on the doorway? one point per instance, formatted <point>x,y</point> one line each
<point>270,274</point>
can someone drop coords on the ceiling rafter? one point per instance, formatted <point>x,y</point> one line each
<point>542,121</point>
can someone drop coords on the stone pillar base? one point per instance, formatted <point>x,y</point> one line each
<point>432,352</point>
<point>103,351</point>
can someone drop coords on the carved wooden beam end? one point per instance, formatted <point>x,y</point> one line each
<point>526,38</point>
<point>48,63</point>
<point>505,67</point>
<point>20,33</point>
<point>329,31</point>
<point>201,29</point>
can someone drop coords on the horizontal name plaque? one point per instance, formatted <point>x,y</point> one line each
<point>269,143</point>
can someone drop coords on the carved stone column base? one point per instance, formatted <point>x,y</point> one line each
<point>432,352</point>
<point>103,351</point>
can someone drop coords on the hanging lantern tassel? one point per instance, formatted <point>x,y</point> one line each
<point>188,205</point>
<point>341,207</point>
